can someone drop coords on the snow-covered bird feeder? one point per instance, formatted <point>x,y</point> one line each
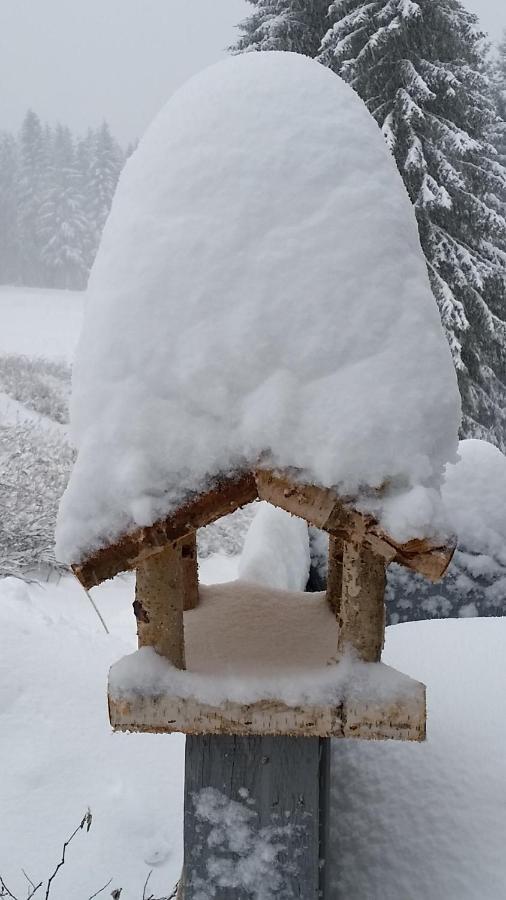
<point>260,325</point>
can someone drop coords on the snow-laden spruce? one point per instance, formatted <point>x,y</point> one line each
<point>259,294</point>
<point>294,25</point>
<point>419,68</point>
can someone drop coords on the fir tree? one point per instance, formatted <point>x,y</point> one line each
<point>106,162</point>
<point>9,233</point>
<point>419,68</point>
<point>497,75</point>
<point>295,25</point>
<point>32,171</point>
<point>84,158</point>
<point>63,228</point>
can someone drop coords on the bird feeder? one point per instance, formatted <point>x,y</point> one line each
<point>260,326</point>
<point>164,557</point>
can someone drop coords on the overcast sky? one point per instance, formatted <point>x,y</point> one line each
<point>80,61</point>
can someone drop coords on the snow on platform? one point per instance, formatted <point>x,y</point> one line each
<point>260,291</point>
<point>263,661</point>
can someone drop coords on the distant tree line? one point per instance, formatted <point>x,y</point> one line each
<point>424,71</point>
<point>55,194</point>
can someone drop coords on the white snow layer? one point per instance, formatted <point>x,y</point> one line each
<point>260,290</point>
<point>474,493</point>
<point>276,550</point>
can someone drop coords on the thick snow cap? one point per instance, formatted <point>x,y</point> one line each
<point>259,289</point>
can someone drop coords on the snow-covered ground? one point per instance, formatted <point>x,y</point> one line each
<point>37,322</point>
<point>409,821</point>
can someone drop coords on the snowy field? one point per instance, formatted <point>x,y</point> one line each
<point>37,322</point>
<point>410,822</point>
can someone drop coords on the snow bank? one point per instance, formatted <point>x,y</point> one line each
<point>474,494</point>
<point>428,821</point>
<point>260,289</point>
<point>276,550</point>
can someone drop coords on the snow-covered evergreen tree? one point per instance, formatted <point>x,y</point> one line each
<point>497,75</point>
<point>32,172</point>
<point>106,162</point>
<point>296,25</point>
<point>9,236</point>
<point>63,227</point>
<point>84,156</point>
<point>418,65</point>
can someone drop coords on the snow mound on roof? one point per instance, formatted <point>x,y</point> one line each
<point>260,289</point>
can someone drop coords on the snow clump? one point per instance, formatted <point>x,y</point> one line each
<point>260,291</point>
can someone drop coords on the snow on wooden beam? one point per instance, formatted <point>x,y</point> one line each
<point>401,718</point>
<point>324,509</point>
<point>202,509</point>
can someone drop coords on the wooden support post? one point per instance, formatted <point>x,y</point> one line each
<point>335,574</point>
<point>190,571</point>
<point>362,612</point>
<point>159,603</point>
<point>255,817</point>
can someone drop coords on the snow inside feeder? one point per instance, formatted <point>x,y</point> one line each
<point>260,325</point>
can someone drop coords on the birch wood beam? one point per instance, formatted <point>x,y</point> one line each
<point>159,603</point>
<point>227,495</point>
<point>362,613</point>
<point>324,509</point>
<point>189,563</point>
<point>335,575</point>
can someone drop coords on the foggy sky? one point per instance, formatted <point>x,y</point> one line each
<point>80,61</point>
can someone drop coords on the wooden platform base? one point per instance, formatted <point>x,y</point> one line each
<point>400,716</point>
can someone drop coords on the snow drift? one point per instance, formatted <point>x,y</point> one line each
<point>259,290</point>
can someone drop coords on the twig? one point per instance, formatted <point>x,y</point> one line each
<point>152,896</point>
<point>35,887</point>
<point>4,890</point>
<point>101,889</point>
<point>85,821</point>
<point>94,605</point>
<point>146,885</point>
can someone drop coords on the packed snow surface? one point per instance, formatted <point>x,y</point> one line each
<point>259,291</point>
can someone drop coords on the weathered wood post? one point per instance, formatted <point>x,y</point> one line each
<point>361,614</point>
<point>256,816</point>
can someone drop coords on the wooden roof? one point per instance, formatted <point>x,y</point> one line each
<point>321,507</point>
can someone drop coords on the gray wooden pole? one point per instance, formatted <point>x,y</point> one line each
<point>256,817</point>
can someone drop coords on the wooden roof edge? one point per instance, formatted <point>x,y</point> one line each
<point>321,507</point>
<point>224,497</point>
<point>324,509</point>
